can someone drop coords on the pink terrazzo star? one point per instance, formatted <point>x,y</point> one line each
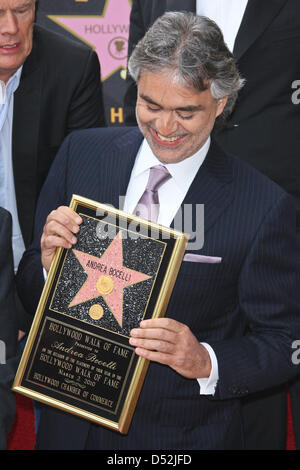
<point>106,33</point>
<point>107,277</point>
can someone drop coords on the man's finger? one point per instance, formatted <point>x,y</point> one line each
<point>153,345</point>
<point>66,217</point>
<point>164,323</point>
<point>56,229</point>
<point>154,333</point>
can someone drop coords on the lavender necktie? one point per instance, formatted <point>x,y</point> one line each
<point>148,205</point>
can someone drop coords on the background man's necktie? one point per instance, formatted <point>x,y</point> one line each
<point>148,205</point>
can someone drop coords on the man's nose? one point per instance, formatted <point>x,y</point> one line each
<point>167,123</point>
<point>9,24</point>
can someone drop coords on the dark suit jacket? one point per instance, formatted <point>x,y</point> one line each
<point>9,307</point>
<point>264,127</point>
<point>59,91</point>
<point>246,307</point>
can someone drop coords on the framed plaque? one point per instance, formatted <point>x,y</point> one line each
<point>77,356</point>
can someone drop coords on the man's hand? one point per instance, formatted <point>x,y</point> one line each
<point>169,342</point>
<point>59,230</point>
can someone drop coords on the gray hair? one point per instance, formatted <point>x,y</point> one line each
<point>192,47</point>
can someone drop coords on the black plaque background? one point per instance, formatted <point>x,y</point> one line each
<point>43,341</point>
<point>142,255</point>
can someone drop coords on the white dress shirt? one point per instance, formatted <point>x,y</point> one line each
<point>7,189</point>
<point>228,15</point>
<point>171,194</point>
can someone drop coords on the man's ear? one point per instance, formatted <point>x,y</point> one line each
<point>221,103</point>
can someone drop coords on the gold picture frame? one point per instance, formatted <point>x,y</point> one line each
<point>77,357</point>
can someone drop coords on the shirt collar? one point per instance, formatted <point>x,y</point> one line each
<point>12,83</point>
<point>182,172</point>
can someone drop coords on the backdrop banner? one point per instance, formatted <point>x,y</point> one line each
<point>103,25</point>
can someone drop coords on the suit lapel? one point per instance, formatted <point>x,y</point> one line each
<point>258,15</point>
<point>27,100</point>
<point>122,161</point>
<point>211,187</point>
<point>179,5</point>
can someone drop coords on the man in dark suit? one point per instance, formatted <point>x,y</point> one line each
<point>10,306</point>
<point>262,130</point>
<point>230,325</point>
<point>50,87</point>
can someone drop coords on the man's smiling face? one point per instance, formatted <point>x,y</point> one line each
<point>176,120</point>
<point>16,29</point>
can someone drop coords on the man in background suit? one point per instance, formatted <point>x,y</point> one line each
<point>229,326</point>
<point>10,306</point>
<point>57,89</point>
<point>50,86</point>
<point>263,129</point>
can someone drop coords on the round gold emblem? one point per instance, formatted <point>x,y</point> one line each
<point>96,312</point>
<point>105,285</point>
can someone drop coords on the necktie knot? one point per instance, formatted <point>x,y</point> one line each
<point>157,177</point>
<point>148,205</point>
